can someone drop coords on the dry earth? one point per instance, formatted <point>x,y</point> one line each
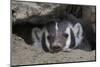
<point>23,54</point>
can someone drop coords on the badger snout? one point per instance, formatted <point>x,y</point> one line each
<point>56,46</point>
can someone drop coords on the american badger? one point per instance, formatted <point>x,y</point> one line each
<point>64,36</point>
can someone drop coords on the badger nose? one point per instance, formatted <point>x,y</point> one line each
<point>56,47</point>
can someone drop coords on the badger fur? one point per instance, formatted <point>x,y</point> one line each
<point>64,36</point>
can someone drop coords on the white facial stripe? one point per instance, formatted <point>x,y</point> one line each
<point>78,33</point>
<point>68,42</point>
<point>56,26</point>
<point>47,42</point>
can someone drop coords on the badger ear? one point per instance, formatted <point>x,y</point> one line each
<point>36,34</point>
<point>78,30</point>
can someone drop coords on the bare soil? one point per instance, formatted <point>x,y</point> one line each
<point>23,54</point>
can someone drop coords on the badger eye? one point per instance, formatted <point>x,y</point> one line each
<point>65,35</point>
<point>48,37</point>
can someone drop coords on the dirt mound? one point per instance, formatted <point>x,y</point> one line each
<point>23,54</point>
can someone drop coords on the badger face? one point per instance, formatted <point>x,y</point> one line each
<point>57,41</point>
<point>61,36</point>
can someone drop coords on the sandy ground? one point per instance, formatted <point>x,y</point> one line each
<point>23,54</point>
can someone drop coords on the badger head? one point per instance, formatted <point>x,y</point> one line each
<point>62,36</point>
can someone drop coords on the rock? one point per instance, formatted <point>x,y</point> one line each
<point>22,10</point>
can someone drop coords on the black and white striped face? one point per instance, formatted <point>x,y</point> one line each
<point>62,36</point>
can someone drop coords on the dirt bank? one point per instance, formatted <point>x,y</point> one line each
<point>23,54</point>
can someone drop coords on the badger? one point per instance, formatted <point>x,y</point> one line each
<point>64,36</point>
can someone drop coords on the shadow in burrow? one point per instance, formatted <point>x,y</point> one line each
<point>24,30</point>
